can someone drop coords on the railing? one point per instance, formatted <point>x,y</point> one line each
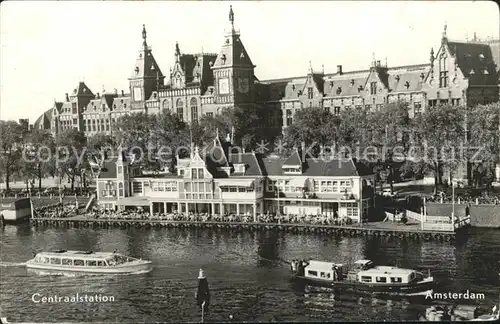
<point>438,227</point>
<point>413,215</point>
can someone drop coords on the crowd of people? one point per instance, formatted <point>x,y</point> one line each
<point>55,211</point>
<point>138,214</point>
<point>488,198</point>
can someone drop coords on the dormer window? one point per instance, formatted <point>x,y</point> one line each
<point>339,90</point>
<point>239,168</point>
<point>422,75</point>
<point>360,88</point>
<point>407,84</point>
<point>198,64</point>
<point>486,72</point>
<point>397,78</point>
<point>352,82</point>
<point>152,67</point>
<point>136,70</point>
<point>292,169</point>
<point>481,56</point>
<point>242,56</point>
<point>223,58</point>
<point>331,84</point>
<point>472,71</point>
<point>154,95</point>
<point>293,87</point>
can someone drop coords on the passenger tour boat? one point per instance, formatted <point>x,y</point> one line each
<point>88,262</point>
<point>364,276</point>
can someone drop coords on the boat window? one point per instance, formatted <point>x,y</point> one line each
<point>91,263</point>
<point>396,280</point>
<point>312,273</point>
<point>78,263</point>
<point>366,279</point>
<point>67,261</point>
<point>55,261</point>
<point>323,275</point>
<point>328,275</point>
<point>101,264</point>
<point>381,279</point>
<point>43,260</point>
<point>412,275</point>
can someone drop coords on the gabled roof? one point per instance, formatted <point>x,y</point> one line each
<point>43,121</point>
<point>294,159</point>
<point>317,167</point>
<point>252,167</point>
<point>233,53</point>
<point>82,90</point>
<point>146,66</point>
<point>475,61</point>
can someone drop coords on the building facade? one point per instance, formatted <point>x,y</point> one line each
<point>205,83</point>
<point>219,180</point>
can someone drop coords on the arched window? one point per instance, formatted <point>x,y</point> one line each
<point>194,109</point>
<point>180,110</point>
<point>165,104</point>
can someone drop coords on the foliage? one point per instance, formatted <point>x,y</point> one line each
<point>38,156</point>
<point>11,146</point>
<point>71,155</point>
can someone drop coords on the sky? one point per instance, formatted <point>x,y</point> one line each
<point>48,47</point>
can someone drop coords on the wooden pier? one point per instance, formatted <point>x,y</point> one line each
<point>373,229</point>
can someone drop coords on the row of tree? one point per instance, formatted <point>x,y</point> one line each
<point>441,138</point>
<point>387,140</point>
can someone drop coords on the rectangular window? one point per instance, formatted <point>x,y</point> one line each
<point>55,261</point>
<point>368,107</point>
<point>194,174</point>
<point>75,121</point>
<point>432,103</point>
<point>120,170</point>
<point>396,280</point>
<point>381,279</point>
<point>379,107</point>
<point>310,93</point>
<point>366,279</point>
<point>73,108</point>
<point>312,273</point>
<point>358,107</point>
<point>289,118</point>
<point>443,79</point>
<point>417,109</point>
<point>209,114</point>
<point>137,187</point>
<point>67,262</point>
<point>327,110</point>
<point>373,88</point>
<point>336,110</point>
<point>200,174</point>
<point>79,263</point>
<point>91,263</point>
<point>347,107</point>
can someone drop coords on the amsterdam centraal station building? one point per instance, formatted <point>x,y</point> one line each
<point>457,73</point>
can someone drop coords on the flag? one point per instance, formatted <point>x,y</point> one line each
<point>203,293</point>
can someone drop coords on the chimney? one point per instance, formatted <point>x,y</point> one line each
<point>97,95</point>
<point>123,93</point>
<point>378,63</point>
<point>339,69</point>
<point>67,97</point>
<point>116,91</point>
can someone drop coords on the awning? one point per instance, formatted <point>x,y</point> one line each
<point>133,201</point>
<point>298,182</point>
<point>238,183</point>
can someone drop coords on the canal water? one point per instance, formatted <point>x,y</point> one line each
<point>248,281</point>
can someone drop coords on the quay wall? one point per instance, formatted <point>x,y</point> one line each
<point>337,230</point>
<point>480,215</point>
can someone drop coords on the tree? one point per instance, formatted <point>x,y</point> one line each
<point>483,140</point>
<point>392,125</point>
<point>11,146</point>
<point>71,154</point>
<point>38,156</point>
<point>133,132</point>
<point>168,136</point>
<point>437,134</point>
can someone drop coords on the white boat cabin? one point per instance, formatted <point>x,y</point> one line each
<point>323,270</point>
<point>81,258</point>
<point>387,275</point>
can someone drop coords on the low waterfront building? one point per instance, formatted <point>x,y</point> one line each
<point>219,180</point>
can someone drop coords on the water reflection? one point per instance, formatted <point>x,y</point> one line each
<point>244,272</point>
